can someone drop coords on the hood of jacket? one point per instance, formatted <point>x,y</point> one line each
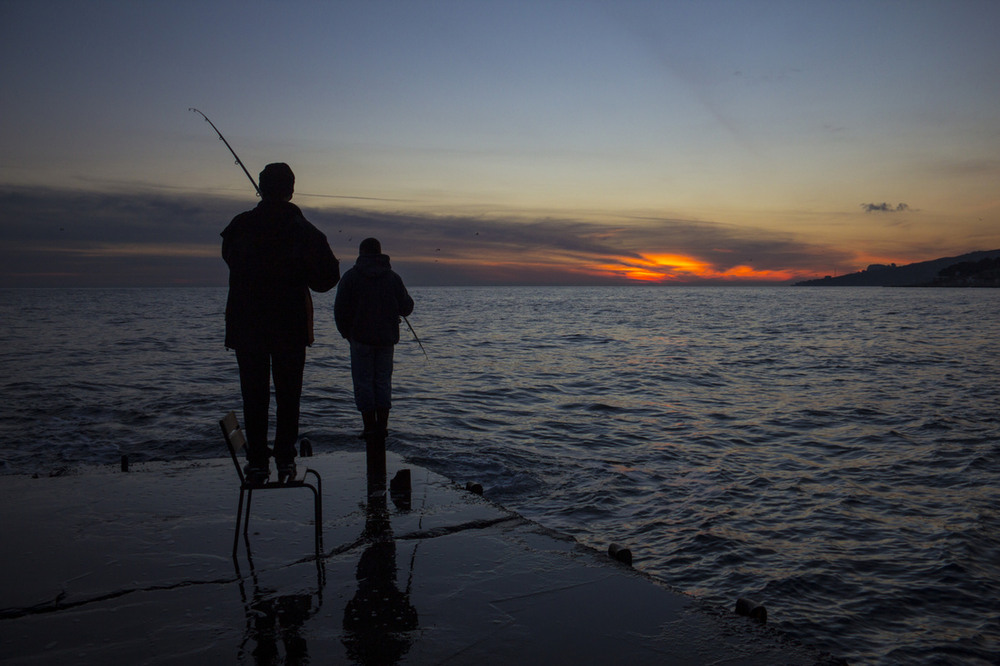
<point>373,265</point>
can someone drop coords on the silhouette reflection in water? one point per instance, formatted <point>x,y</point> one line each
<point>272,618</point>
<point>377,620</point>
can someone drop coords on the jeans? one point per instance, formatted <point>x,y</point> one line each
<point>371,370</point>
<point>256,370</point>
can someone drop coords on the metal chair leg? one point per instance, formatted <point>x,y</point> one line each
<point>246,520</point>
<point>318,499</point>
<point>239,517</point>
<point>318,518</point>
<point>243,514</point>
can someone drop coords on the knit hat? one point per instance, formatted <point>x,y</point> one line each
<point>370,246</point>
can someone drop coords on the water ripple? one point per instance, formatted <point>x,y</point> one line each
<point>833,452</point>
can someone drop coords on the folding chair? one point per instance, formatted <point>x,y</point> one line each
<point>235,440</point>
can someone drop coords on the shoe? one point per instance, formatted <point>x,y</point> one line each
<point>286,472</point>
<point>256,475</point>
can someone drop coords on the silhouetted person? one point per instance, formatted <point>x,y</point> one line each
<point>275,257</point>
<point>370,300</point>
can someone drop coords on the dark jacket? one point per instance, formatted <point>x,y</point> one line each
<point>275,257</point>
<point>370,300</point>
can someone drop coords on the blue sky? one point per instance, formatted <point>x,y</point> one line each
<point>502,142</point>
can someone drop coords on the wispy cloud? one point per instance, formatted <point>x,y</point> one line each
<point>885,207</point>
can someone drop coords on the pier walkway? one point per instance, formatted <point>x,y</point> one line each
<point>104,566</point>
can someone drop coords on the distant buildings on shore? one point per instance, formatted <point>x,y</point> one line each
<point>975,269</point>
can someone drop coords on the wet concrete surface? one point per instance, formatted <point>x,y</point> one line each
<point>106,566</point>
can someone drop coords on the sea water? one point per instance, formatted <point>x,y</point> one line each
<point>832,453</point>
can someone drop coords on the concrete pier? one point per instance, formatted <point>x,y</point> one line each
<point>105,566</point>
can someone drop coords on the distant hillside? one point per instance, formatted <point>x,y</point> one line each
<point>982,273</point>
<point>924,273</point>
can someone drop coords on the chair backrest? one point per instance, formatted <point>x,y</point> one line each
<point>235,440</point>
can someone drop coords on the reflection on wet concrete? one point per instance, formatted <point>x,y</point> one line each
<point>379,616</point>
<point>377,620</point>
<point>272,617</point>
<point>150,548</point>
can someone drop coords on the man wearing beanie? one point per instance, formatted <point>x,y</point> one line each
<point>370,300</point>
<point>275,256</point>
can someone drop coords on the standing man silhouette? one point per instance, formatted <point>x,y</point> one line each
<point>370,300</point>
<point>275,256</point>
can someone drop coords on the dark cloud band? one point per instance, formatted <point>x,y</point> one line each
<point>60,237</point>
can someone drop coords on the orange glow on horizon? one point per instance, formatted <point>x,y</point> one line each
<point>675,264</point>
<point>666,268</point>
<point>643,269</point>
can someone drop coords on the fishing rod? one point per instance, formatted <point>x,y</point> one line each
<point>223,139</point>
<point>257,189</point>
<point>415,336</point>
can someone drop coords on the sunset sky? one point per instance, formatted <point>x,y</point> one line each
<point>502,142</point>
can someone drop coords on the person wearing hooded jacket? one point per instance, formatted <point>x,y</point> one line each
<point>275,256</point>
<point>370,300</point>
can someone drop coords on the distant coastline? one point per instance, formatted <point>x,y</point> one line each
<point>974,269</point>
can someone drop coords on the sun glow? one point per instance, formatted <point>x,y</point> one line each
<point>667,268</point>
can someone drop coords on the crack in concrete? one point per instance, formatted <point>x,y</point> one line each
<point>59,604</point>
